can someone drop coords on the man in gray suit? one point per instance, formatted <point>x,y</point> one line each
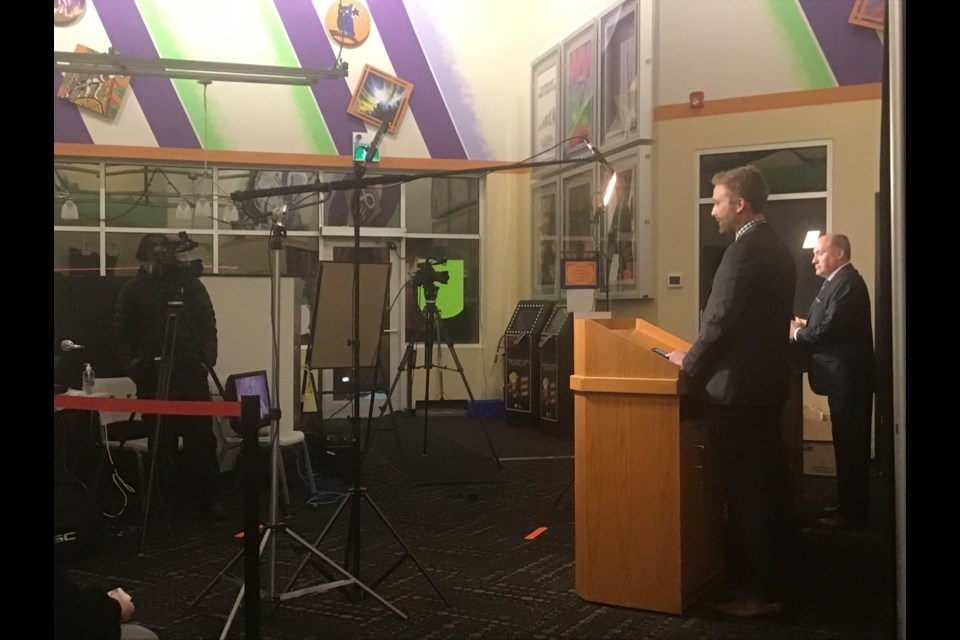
<point>740,364</point>
<point>836,342</point>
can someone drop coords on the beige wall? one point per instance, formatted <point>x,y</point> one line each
<point>853,131</point>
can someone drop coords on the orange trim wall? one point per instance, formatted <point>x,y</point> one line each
<point>262,159</point>
<point>851,93</point>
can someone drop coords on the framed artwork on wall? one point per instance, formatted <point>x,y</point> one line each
<point>626,85</point>
<point>579,91</point>
<point>579,202</point>
<point>627,251</point>
<point>380,96</point>
<point>545,209</point>
<point>545,96</point>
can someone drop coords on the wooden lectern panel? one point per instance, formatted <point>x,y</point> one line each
<point>648,513</point>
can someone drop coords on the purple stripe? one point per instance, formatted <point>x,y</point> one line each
<point>426,103</point>
<point>68,126</point>
<point>854,53</point>
<point>312,46</point>
<point>159,100</point>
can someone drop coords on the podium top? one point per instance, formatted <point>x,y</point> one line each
<point>616,356</point>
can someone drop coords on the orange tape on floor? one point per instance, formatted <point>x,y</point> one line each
<point>533,534</point>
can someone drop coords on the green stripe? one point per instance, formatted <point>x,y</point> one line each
<point>811,65</point>
<point>163,31</point>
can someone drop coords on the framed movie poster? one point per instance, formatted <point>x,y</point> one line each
<point>579,91</point>
<point>578,202</point>
<point>545,97</point>
<point>627,239</point>
<point>626,84</point>
<point>545,209</point>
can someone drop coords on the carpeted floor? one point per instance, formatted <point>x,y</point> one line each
<point>468,534</point>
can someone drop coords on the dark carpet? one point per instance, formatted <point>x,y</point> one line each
<point>469,538</point>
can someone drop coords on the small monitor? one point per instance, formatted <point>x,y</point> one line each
<point>253,383</point>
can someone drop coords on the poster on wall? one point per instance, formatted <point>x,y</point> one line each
<point>619,78</point>
<point>97,92</point>
<point>545,122</point>
<point>545,209</point>
<point>579,91</point>
<point>380,97</point>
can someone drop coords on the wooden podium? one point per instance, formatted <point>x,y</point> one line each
<point>648,503</point>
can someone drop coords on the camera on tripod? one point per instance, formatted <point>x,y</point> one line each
<point>426,276</point>
<point>168,268</point>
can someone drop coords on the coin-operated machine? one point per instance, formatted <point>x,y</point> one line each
<point>521,367</point>
<point>556,367</point>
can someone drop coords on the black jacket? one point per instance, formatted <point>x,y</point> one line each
<point>141,318</point>
<point>837,343</point>
<point>742,354</point>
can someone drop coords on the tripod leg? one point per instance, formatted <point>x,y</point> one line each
<point>323,534</point>
<point>406,549</point>
<point>427,364</point>
<point>453,353</point>
<point>409,356</point>
<point>242,592</point>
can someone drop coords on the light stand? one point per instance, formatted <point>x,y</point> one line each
<point>277,235</point>
<point>358,493</point>
<point>600,219</point>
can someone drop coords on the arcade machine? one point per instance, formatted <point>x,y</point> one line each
<point>556,367</point>
<point>521,369</point>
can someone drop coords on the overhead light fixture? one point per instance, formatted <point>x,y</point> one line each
<point>119,65</point>
<point>183,210</point>
<point>230,212</point>
<point>69,210</point>
<point>810,241</point>
<point>203,209</point>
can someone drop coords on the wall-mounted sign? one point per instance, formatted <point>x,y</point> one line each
<point>66,12</point>
<point>348,23</point>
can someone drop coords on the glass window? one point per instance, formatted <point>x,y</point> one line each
<point>76,253</point>
<point>122,251</point>
<point>302,209</point>
<point>379,205</point>
<point>790,170</point>
<point>76,194</point>
<point>459,308</point>
<point>158,197</point>
<point>443,205</point>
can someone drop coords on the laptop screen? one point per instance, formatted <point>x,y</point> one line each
<point>253,383</point>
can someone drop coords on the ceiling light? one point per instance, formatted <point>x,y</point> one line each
<point>69,210</point>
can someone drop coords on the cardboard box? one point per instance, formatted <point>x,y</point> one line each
<point>818,459</point>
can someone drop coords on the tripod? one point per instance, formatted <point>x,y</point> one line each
<point>431,332</point>
<point>174,314</point>
<point>274,526</point>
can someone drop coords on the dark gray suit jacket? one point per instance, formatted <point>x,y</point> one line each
<point>837,343</point>
<point>742,354</point>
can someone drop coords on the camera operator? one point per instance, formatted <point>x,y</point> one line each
<point>140,322</point>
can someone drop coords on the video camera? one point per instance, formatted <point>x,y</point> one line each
<point>426,275</point>
<point>168,267</point>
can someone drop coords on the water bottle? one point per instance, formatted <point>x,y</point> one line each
<point>89,379</point>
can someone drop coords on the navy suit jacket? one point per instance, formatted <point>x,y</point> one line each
<point>742,354</point>
<point>837,343</point>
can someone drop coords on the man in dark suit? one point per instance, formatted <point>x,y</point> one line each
<point>739,362</point>
<point>837,344</point>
